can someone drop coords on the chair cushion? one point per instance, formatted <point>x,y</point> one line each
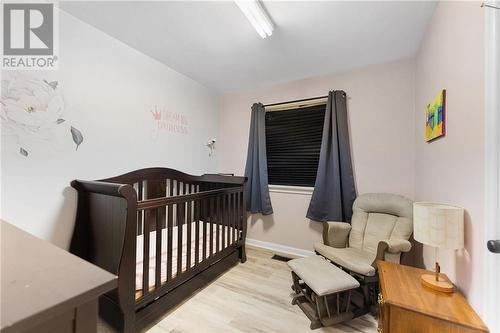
<point>321,276</point>
<point>378,216</point>
<point>352,259</point>
<point>378,226</point>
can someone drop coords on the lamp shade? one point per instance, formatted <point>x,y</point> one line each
<point>438,225</point>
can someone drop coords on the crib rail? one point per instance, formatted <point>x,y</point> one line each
<point>161,202</point>
<point>158,183</point>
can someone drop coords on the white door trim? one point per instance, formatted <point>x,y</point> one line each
<point>492,166</point>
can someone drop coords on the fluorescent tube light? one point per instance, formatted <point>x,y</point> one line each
<point>257,16</point>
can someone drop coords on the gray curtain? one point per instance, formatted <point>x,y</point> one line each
<point>334,190</point>
<point>257,188</point>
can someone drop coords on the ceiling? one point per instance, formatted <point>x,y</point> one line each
<point>213,43</point>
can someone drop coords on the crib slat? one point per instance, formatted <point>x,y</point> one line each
<point>205,225</point>
<point>139,218</point>
<point>180,222</point>
<point>145,256</point>
<point>197,232</point>
<point>219,223</point>
<point>229,220</point>
<point>224,221</point>
<point>158,250</point>
<point>211,214</point>
<point>235,196</point>
<point>235,218</point>
<point>231,216</point>
<point>170,225</point>
<point>189,237</point>
<point>192,191</point>
<point>187,188</point>
<point>155,188</point>
<point>238,215</point>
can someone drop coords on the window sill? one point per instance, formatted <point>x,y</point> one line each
<point>302,190</point>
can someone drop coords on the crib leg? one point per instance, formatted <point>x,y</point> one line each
<point>128,324</point>
<point>242,254</point>
<point>124,321</point>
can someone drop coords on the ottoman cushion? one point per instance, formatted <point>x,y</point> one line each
<point>321,276</point>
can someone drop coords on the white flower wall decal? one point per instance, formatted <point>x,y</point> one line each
<point>31,109</point>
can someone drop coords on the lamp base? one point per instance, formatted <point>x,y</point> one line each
<point>443,284</point>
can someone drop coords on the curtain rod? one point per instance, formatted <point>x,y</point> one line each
<point>297,104</point>
<point>296,101</point>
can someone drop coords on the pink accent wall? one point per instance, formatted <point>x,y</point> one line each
<point>451,169</point>
<point>381,116</point>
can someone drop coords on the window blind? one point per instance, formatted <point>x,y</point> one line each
<point>293,142</point>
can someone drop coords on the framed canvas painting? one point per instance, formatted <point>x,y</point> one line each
<point>435,121</point>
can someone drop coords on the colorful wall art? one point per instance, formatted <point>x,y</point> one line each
<point>435,121</point>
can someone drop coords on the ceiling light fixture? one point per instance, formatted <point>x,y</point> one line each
<point>257,16</point>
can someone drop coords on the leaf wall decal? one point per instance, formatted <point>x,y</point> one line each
<point>60,121</point>
<point>77,136</point>
<point>53,84</point>
<point>23,152</point>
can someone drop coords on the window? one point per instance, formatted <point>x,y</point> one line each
<point>293,142</point>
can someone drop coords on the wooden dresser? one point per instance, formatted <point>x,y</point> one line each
<point>46,289</point>
<point>407,306</point>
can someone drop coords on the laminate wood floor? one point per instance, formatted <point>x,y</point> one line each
<point>251,297</point>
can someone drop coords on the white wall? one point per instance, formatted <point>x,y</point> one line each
<point>451,169</point>
<point>381,116</point>
<point>109,90</point>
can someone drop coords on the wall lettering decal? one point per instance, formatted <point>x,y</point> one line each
<point>167,121</point>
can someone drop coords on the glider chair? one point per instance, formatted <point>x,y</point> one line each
<point>380,229</point>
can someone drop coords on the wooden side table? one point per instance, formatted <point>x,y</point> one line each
<point>46,289</point>
<point>407,306</point>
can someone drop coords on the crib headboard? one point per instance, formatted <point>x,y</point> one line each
<point>152,175</point>
<point>100,224</point>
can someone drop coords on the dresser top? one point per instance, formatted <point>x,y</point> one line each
<point>401,287</point>
<point>40,280</point>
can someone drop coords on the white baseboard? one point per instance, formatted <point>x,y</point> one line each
<point>279,249</point>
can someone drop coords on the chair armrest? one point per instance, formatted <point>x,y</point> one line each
<point>335,234</point>
<point>397,245</point>
<point>390,246</point>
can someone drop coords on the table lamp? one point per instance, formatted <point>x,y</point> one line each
<point>441,226</point>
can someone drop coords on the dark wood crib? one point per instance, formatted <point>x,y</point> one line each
<point>164,233</point>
